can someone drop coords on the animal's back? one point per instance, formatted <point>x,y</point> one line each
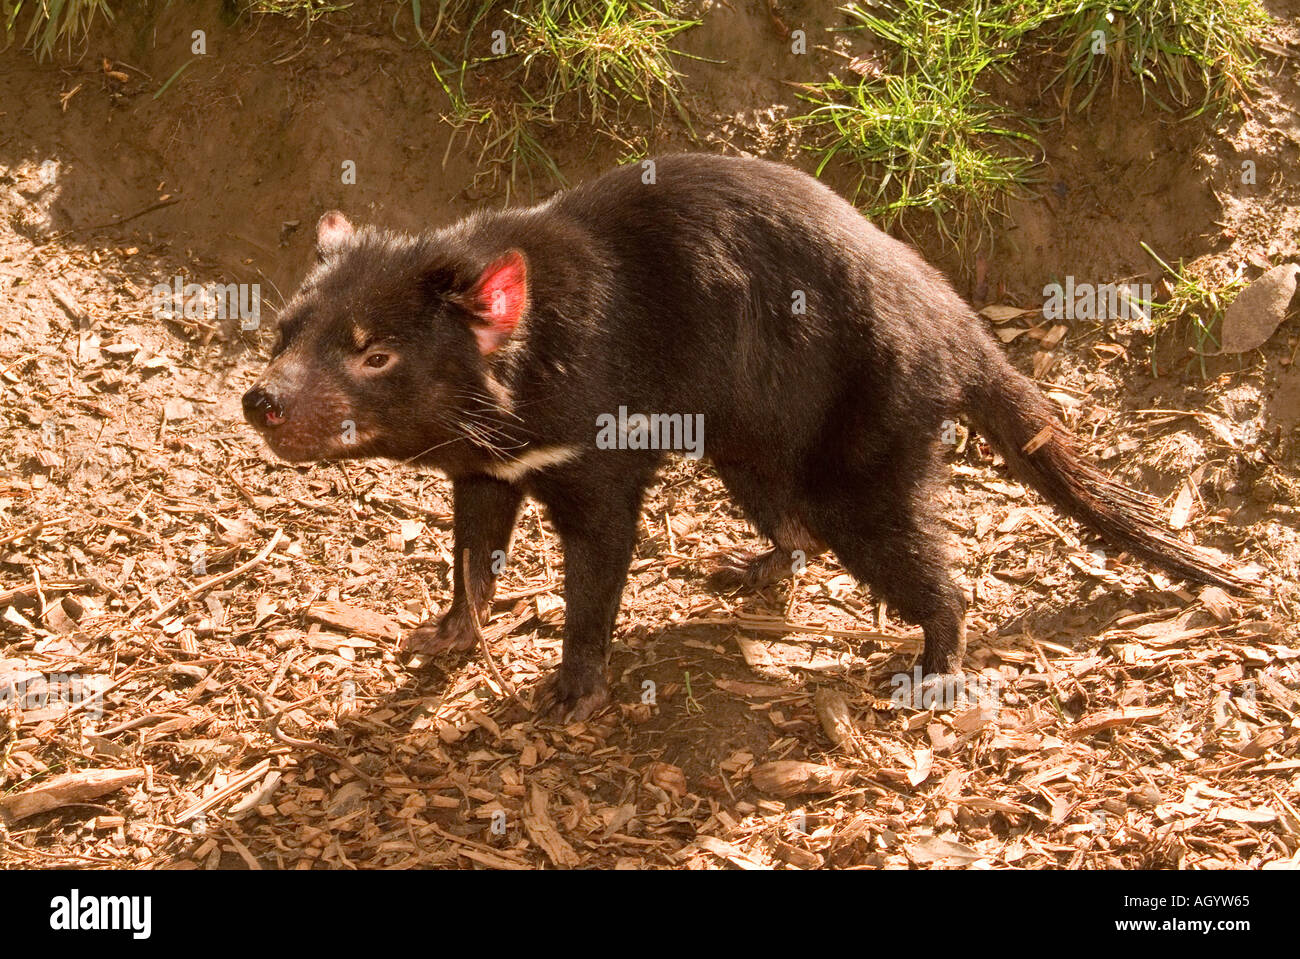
<point>768,297</point>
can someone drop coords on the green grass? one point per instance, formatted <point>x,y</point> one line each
<point>927,131</point>
<point>580,62</point>
<point>602,52</point>
<point>443,13</point>
<point>924,126</point>
<point>419,21</point>
<point>502,131</point>
<point>923,145</point>
<point>50,22</point>
<point>309,10</point>
<point>1199,301</point>
<point>1189,56</point>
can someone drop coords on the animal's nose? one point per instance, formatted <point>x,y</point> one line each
<point>262,409</point>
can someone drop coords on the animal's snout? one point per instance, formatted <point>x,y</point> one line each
<point>263,409</point>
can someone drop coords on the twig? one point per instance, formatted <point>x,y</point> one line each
<point>478,632</point>
<point>525,593</point>
<point>207,584</point>
<point>774,624</point>
<point>273,727</point>
<point>254,774</point>
<point>493,856</point>
<point>126,219</point>
<point>34,528</point>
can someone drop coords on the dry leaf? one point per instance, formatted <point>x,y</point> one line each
<point>933,849</point>
<point>1218,603</point>
<point>922,763</point>
<point>1258,310</point>
<point>725,850</point>
<point>997,313</point>
<point>1183,505</point>
<point>1260,814</point>
<point>757,690</point>
<point>972,719</point>
<point>667,777</point>
<point>1054,336</point>
<point>1110,718</point>
<point>354,619</point>
<point>833,711</point>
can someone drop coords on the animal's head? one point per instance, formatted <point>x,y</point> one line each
<point>385,348</point>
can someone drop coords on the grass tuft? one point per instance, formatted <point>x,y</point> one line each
<point>929,135</point>
<point>575,61</point>
<point>52,21</point>
<point>1199,52</point>
<point>309,10</point>
<point>1199,301</point>
<point>600,52</point>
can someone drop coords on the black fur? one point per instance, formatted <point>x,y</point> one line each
<point>677,296</point>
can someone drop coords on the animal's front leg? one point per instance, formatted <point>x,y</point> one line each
<point>484,511</point>
<point>597,526</point>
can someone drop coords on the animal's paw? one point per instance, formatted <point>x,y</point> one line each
<point>436,637</point>
<point>943,684</point>
<point>741,571</point>
<point>571,695</point>
<point>939,691</point>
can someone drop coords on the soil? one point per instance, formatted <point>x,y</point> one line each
<point>1137,722</point>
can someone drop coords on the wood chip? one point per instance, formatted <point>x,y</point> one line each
<point>732,854</point>
<point>542,831</point>
<point>64,790</point>
<point>837,722</point>
<point>790,777</point>
<point>354,619</point>
<point>1111,718</point>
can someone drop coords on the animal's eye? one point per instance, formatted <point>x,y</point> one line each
<point>377,361</point>
<point>285,331</point>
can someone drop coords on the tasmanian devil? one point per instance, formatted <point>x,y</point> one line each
<point>820,356</point>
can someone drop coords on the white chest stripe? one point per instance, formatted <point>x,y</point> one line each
<point>515,469</point>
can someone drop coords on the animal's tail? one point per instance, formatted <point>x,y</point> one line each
<point>1012,414</point>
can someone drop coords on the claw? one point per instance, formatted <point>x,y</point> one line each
<point>939,691</point>
<point>743,571</point>
<point>436,637</point>
<point>571,697</point>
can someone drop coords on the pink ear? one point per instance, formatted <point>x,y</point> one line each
<point>332,231</point>
<point>500,299</point>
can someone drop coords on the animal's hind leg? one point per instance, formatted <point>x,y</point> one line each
<point>777,513</point>
<point>883,530</point>
<point>741,570</point>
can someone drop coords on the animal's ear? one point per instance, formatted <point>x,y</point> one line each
<point>332,231</point>
<point>498,300</point>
